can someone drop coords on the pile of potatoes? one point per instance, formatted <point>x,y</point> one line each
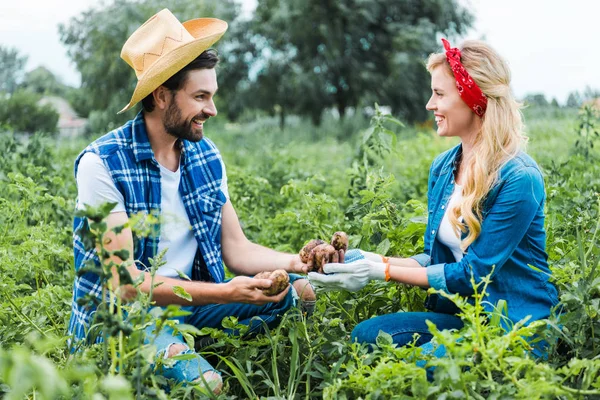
<point>317,252</point>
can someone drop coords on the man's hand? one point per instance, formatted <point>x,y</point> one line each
<point>297,266</point>
<point>352,276</point>
<point>243,289</point>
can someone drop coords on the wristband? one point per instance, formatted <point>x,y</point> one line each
<point>387,272</point>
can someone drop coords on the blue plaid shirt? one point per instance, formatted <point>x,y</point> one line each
<point>129,158</point>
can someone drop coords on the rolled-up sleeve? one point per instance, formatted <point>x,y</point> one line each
<point>437,277</point>
<point>503,228</point>
<point>423,259</point>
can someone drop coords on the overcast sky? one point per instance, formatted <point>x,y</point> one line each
<point>552,46</point>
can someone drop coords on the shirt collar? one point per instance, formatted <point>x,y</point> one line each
<point>457,158</point>
<point>141,145</point>
<point>452,161</point>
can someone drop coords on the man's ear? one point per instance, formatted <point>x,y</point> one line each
<point>162,97</point>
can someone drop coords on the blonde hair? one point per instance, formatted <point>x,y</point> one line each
<point>500,138</point>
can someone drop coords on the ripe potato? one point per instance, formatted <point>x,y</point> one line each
<point>324,253</point>
<point>340,241</point>
<point>280,279</point>
<point>307,251</point>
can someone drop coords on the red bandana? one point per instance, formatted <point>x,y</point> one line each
<point>467,88</point>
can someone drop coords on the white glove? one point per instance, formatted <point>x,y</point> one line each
<point>356,254</point>
<point>352,276</point>
<point>378,258</point>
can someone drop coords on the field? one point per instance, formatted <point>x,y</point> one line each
<point>368,178</point>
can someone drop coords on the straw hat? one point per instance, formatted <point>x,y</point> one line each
<point>162,46</point>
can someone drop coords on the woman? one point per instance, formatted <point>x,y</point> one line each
<point>486,207</point>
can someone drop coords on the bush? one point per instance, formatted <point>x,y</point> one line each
<point>21,113</point>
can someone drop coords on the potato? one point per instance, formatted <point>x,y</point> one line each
<point>340,241</point>
<point>317,253</point>
<point>324,253</point>
<point>307,251</point>
<point>280,279</point>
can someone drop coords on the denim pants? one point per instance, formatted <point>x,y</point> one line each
<point>211,315</point>
<point>403,325</point>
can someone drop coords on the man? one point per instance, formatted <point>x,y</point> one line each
<point>160,161</point>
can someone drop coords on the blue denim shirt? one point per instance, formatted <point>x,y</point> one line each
<point>512,239</point>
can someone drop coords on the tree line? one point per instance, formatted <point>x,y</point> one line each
<point>289,57</point>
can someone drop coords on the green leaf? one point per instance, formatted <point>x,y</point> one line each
<point>180,292</point>
<point>122,254</point>
<point>184,357</point>
<point>384,247</point>
<point>124,276</point>
<point>384,339</point>
<point>182,275</point>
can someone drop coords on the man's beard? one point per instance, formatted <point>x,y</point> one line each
<point>175,125</point>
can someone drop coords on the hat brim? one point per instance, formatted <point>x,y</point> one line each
<point>206,31</point>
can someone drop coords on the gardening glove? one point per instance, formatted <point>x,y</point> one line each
<point>352,276</point>
<point>356,254</point>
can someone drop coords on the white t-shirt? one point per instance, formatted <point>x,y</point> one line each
<point>446,234</point>
<point>95,186</point>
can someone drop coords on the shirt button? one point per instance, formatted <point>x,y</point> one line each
<point>433,231</point>
<point>443,207</point>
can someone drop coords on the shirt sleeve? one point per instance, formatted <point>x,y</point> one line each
<point>224,187</point>
<point>95,186</point>
<point>502,230</point>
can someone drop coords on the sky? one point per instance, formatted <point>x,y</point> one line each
<point>550,45</point>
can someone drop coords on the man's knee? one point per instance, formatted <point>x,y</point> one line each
<point>304,290</point>
<point>175,349</point>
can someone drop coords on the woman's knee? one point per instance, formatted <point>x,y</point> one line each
<point>402,327</point>
<point>363,332</point>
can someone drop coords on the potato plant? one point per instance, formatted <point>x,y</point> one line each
<point>372,187</point>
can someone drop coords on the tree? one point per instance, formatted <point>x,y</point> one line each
<point>536,99</point>
<point>344,53</point>
<point>21,112</point>
<point>11,69</point>
<point>590,94</point>
<point>94,40</point>
<point>574,100</point>
<point>42,81</point>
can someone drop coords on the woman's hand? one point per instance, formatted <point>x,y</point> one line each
<point>378,258</point>
<point>352,276</point>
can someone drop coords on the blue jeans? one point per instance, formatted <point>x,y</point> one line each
<point>211,315</point>
<point>403,325</point>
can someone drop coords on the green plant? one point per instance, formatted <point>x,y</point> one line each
<point>21,113</point>
<point>588,131</point>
